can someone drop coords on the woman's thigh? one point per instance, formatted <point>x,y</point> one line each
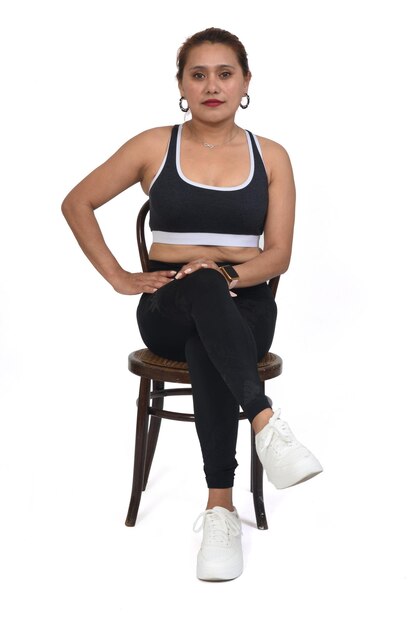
<point>258,308</point>
<point>167,333</point>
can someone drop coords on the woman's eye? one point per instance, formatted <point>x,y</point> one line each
<point>198,75</point>
<point>225,74</point>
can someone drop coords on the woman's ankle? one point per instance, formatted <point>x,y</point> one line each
<point>261,420</point>
<point>220,497</point>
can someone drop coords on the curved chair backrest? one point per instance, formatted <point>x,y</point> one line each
<point>143,249</point>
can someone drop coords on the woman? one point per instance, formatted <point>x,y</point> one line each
<point>213,189</point>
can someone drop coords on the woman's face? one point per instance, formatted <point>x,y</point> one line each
<point>213,82</point>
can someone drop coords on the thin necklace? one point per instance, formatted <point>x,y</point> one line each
<point>215,145</point>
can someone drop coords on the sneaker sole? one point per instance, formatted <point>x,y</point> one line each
<point>219,571</point>
<point>297,473</point>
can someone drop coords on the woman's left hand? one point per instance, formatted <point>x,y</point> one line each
<point>198,264</point>
<point>194,265</point>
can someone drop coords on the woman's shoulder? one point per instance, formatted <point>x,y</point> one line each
<point>152,137</point>
<point>271,147</point>
<point>274,154</point>
<point>146,147</point>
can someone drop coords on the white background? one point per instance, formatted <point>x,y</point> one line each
<point>334,82</point>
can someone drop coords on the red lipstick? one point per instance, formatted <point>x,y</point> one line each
<point>212,103</point>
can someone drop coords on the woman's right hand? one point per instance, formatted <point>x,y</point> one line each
<point>130,284</point>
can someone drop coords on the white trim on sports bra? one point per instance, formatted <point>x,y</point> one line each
<point>206,239</point>
<point>160,170</point>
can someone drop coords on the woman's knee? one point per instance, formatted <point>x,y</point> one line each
<point>205,280</point>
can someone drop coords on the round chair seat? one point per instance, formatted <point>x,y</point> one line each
<point>146,363</point>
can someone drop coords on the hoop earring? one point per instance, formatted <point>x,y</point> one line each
<point>245,106</point>
<point>184,110</point>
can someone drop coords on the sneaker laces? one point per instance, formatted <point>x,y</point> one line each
<point>277,426</point>
<point>219,526</point>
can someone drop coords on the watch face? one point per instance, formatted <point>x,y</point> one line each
<point>231,271</point>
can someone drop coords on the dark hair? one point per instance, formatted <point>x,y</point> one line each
<point>212,35</point>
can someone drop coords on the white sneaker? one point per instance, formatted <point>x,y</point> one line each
<point>285,460</point>
<point>220,556</point>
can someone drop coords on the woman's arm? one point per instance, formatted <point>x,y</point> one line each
<point>129,165</point>
<point>279,224</point>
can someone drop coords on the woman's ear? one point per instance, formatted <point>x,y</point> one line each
<point>247,81</point>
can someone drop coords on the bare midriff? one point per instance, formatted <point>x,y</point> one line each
<point>175,253</point>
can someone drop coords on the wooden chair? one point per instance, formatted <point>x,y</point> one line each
<point>154,371</point>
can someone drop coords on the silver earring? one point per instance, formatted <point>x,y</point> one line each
<point>183,109</point>
<point>245,106</point>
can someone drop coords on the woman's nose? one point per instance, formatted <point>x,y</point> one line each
<point>212,84</point>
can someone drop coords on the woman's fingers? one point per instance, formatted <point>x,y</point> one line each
<point>132,283</point>
<point>168,273</point>
<point>194,266</point>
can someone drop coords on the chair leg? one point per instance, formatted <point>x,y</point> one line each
<point>140,450</point>
<point>256,486</point>
<point>157,403</point>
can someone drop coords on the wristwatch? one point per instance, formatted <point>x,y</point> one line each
<point>230,275</point>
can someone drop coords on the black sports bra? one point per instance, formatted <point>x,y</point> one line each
<point>185,212</point>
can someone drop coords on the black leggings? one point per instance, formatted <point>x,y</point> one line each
<point>195,319</point>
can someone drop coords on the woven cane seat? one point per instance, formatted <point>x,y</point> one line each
<point>146,363</point>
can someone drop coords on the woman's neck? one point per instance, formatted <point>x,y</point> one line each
<point>211,135</point>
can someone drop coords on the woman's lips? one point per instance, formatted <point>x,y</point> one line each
<point>212,103</point>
